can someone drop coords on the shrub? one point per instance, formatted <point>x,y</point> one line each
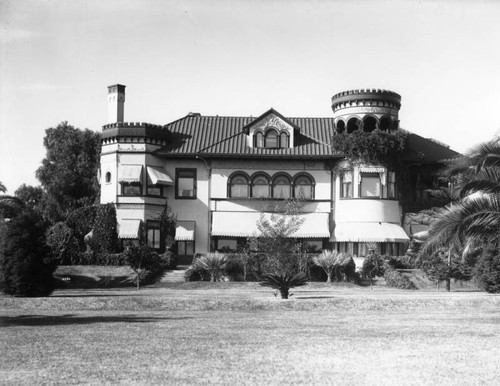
<point>104,234</point>
<point>394,278</point>
<point>63,244</point>
<point>373,265</point>
<point>487,271</point>
<point>283,282</point>
<point>143,261</point>
<point>25,259</point>
<point>214,263</point>
<point>398,262</point>
<point>328,260</point>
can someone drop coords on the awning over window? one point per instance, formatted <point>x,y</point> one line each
<point>128,229</point>
<point>185,230</point>
<point>244,224</point>
<point>130,173</point>
<point>158,176</point>
<point>378,232</point>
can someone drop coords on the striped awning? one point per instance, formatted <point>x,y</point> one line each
<point>158,176</point>
<point>185,230</point>
<point>129,229</point>
<point>130,173</point>
<point>378,232</point>
<point>244,224</point>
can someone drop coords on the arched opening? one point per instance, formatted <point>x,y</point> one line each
<point>281,187</point>
<point>340,126</point>
<point>385,123</point>
<point>108,177</point>
<point>271,139</point>
<point>238,186</point>
<point>284,142</point>
<point>395,125</point>
<point>369,124</point>
<point>258,139</point>
<point>352,124</point>
<point>303,187</point>
<point>260,186</point>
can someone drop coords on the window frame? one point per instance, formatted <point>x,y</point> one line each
<point>256,136</point>
<point>178,175</point>
<point>370,175</point>
<point>125,185</point>
<point>252,184</point>
<point>343,184</point>
<point>312,185</point>
<point>231,184</point>
<point>273,185</point>
<point>155,226</point>
<point>266,136</point>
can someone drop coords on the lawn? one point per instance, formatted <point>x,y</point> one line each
<point>234,333</point>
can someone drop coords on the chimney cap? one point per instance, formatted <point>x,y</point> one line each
<point>116,88</point>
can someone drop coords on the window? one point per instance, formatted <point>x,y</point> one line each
<point>369,185</point>
<point>271,139</point>
<point>260,186</point>
<point>131,188</point>
<point>108,177</point>
<point>155,190</point>
<point>227,245</point>
<point>258,139</point>
<point>346,185</point>
<point>153,234</point>
<point>312,246</point>
<point>284,141</point>
<point>391,185</point>
<point>185,182</point>
<point>185,248</point>
<point>281,187</point>
<point>238,186</point>
<point>303,187</point>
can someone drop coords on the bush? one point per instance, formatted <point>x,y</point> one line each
<point>283,282</point>
<point>214,263</point>
<point>143,261</point>
<point>394,278</point>
<point>25,259</point>
<point>63,244</point>
<point>487,271</point>
<point>398,262</point>
<point>104,234</point>
<point>373,266</point>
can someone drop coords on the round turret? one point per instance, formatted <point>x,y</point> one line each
<point>366,110</point>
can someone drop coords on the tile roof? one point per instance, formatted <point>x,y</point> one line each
<point>220,136</point>
<point>224,136</point>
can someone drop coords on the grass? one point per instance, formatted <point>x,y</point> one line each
<point>239,333</point>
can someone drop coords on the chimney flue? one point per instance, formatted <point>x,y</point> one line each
<point>116,101</point>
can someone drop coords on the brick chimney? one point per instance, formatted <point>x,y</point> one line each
<point>116,101</point>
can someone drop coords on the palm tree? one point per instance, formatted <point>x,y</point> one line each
<point>283,282</point>
<point>473,220</point>
<point>329,261</point>
<point>8,204</point>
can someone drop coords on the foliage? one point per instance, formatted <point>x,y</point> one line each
<point>440,267</point>
<point>373,265</point>
<point>394,278</point>
<point>105,237</point>
<point>275,239</point>
<point>213,263</point>
<point>487,271</point>
<point>81,221</point>
<point>168,223</point>
<point>474,219</point>
<point>35,198</point>
<point>283,282</point>
<point>334,264</point>
<point>63,244</point>
<point>378,147</point>
<point>69,169</point>
<point>399,262</point>
<point>24,257</point>
<point>9,205</point>
<point>142,260</point>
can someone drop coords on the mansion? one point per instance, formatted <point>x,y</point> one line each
<point>218,174</point>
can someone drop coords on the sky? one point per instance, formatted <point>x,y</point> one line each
<point>240,58</point>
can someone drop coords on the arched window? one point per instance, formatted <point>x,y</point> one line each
<point>369,124</point>
<point>238,186</point>
<point>258,139</point>
<point>271,139</point>
<point>352,124</point>
<point>340,126</point>
<point>284,140</point>
<point>108,177</point>
<point>282,187</point>
<point>385,123</point>
<point>303,186</point>
<point>260,186</point>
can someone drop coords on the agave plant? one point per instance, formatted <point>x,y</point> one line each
<point>283,282</point>
<point>214,263</point>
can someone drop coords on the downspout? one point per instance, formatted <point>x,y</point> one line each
<point>209,203</point>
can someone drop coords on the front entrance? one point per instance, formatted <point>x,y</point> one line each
<point>185,252</point>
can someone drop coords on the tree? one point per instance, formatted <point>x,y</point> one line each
<point>26,269</point>
<point>330,261</point>
<point>141,259</point>
<point>373,265</point>
<point>105,236</point>
<point>276,237</point>
<point>9,205</point>
<point>487,271</point>
<point>69,169</point>
<point>474,219</point>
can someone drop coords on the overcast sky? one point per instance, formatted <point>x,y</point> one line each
<point>241,58</point>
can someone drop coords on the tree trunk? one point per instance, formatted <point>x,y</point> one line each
<point>448,285</point>
<point>138,281</point>
<point>284,293</point>
<point>329,277</point>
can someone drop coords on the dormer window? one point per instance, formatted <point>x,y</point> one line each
<point>284,140</point>
<point>271,139</point>
<point>258,139</point>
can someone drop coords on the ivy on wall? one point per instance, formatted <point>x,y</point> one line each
<point>378,147</point>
